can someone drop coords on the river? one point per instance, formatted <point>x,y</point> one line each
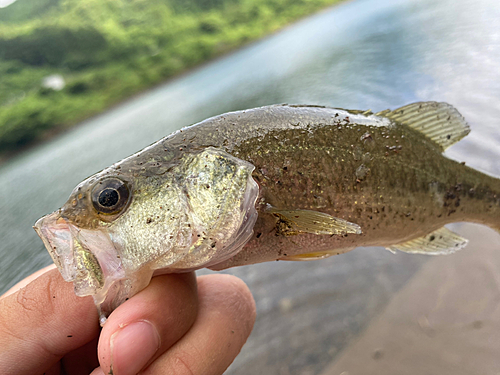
<point>362,54</point>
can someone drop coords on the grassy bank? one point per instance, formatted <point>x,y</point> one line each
<point>108,50</point>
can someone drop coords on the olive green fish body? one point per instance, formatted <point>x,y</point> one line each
<point>278,182</point>
<point>388,178</point>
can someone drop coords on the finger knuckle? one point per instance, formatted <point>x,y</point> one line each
<point>182,364</point>
<point>237,301</point>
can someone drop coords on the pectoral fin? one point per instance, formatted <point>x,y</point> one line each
<point>440,242</point>
<point>305,221</point>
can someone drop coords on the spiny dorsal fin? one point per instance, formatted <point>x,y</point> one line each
<point>305,221</point>
<point>440,122</point>
<point>441,241</point>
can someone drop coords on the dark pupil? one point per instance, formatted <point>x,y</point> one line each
<point>108,197</point>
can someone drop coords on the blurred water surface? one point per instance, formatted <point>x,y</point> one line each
<point>362,54</point>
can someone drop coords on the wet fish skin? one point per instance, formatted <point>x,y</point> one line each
<point>386,177</point>
<point>371,170</point>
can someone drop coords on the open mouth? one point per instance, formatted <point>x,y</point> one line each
<point>56,235</point>
<point>85,257</point>
<point>89,259</point>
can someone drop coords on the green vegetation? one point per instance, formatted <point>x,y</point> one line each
<point>107,50</point>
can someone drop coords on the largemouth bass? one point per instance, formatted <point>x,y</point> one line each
<point>281,182</point>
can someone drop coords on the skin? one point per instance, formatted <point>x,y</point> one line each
<point>46,329</point>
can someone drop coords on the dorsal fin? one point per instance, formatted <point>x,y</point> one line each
<point>440,122</point>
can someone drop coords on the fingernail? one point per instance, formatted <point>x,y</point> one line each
<point>132,347</point>
<point>97,371</point>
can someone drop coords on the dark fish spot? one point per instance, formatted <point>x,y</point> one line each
<point>432,238</point>
<point>258,235</point>
<point>149,220</point>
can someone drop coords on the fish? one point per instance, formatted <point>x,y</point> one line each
<point>280,182</point>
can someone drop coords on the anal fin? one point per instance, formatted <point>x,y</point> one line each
<point>440,242</point>
<point>293,222</point>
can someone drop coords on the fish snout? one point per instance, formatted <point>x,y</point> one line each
<point>55,233</point>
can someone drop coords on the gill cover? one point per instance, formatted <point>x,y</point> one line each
<point>202,210</point>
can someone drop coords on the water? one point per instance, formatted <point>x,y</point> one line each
<point>362,54</point>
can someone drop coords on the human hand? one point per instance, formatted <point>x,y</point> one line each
<point>176,326</point>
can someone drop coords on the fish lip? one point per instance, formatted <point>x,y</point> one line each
<point>60,237</point>
<point>55,232</point>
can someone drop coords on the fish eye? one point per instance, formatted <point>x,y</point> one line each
<point>110,196</point>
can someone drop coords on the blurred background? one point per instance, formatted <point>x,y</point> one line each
<point>364,312</point>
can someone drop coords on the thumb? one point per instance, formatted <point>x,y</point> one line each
<point>41,322</point>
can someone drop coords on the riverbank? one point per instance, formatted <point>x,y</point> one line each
<point>135,51</point>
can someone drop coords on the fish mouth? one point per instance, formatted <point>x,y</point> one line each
<point>85,257</point>
<point>55,233</point>
<point>89,259</point>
